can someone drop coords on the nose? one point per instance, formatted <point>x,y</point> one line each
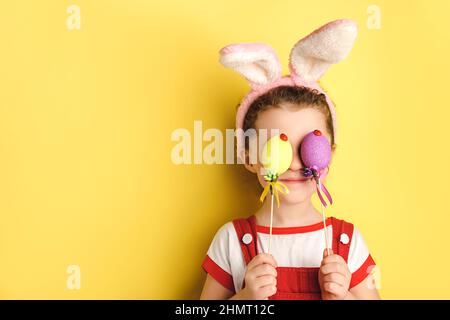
<point>296,163</point>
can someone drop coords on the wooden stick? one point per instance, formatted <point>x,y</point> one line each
<point>271,220</point>
<point>324,222</point>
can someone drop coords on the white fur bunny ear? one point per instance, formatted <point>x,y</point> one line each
<point>313,55</point>
<point>257,62</point>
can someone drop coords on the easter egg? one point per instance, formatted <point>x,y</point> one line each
<point>315,150</point>
<point>277,154</point>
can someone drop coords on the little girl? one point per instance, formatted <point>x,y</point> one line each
<point>299,267</point>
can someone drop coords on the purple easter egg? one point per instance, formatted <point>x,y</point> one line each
<point>315,150</point>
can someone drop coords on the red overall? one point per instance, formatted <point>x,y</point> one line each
<point>294,283</point>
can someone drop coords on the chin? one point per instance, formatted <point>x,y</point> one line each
<point>299,192</point>
<point>295,197</point>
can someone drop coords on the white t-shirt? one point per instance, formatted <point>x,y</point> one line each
<point>291,247</point>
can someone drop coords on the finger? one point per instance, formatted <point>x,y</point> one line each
<point>265,281</point>
<point>262,258</point>
<point>334,267</point>
<point>334,288</point>
<point>268,291</point>
<point>336,278</point>
<point>264,269</point>
<point>333,258</point>
<point>325,252</point>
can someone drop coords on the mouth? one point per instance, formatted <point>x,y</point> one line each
<point>292,181</point>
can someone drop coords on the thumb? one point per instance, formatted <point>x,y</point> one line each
<point>325,252</point>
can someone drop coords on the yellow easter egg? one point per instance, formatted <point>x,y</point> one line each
<point>277,155</point>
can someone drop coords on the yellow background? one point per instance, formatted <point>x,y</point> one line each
<point>86,118</point>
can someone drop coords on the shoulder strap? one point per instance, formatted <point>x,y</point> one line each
<point>247,226</point>
<point>342,237</point>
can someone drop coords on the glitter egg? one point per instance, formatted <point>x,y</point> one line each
<point>277,154</point>
<point>315,150</point>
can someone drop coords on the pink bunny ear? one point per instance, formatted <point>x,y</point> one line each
<point>257,62</point>
<point>313,55</point>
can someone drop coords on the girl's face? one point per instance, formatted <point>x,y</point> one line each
<point>296,124</point>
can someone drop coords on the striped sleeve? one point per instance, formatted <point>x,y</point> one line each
<point>217,259</point>
<point>360,262</point>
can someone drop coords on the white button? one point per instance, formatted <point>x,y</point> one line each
<point>247,238</point>
<point>344,238</point>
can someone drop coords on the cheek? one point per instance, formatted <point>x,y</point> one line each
<point>261,180</point>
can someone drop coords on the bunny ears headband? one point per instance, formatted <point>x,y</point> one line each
<point>308,61</point>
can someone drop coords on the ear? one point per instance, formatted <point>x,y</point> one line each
<point>324,173</point>
<point>333,149</point>
<point>314,54</point>
<point>257,62</point>
<point>249,166</point>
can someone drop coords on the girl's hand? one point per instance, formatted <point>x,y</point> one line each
<point>334,277</point>
<point>260,278</point>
